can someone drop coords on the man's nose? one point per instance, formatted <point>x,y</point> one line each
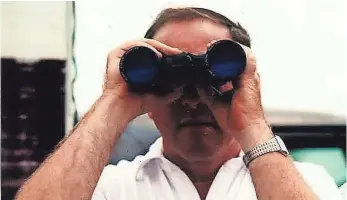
<point>190,96</point>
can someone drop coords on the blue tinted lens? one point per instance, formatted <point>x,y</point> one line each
<point>141,73</point>
<point>140,65</point>
<point>227,59</point>
<point>227,68</point>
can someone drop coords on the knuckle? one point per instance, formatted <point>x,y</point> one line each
<point>146,40</point>
<point>129,44</point>
<point>257,78</point>
<point>152,41</point>
<point>111,54</point>
<point>144,44</point>
<point>114,53</point>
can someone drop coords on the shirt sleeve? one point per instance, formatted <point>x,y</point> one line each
<point>98,194</point>
<point>99,191</point>
<point>102,190</point>
<point>320,181</point>
<point>343,190</point>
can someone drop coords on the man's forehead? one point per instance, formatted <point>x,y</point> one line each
<point>192,35</point>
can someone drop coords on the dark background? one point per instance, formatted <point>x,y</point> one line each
<point>32,117</point>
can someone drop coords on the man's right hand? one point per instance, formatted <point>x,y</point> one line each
<point>115,86</point>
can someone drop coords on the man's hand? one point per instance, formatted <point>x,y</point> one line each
<point>243,116</point>
<point>115,85</point>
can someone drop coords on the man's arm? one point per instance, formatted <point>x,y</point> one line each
<point>72,171</point>
<point>274,175</point>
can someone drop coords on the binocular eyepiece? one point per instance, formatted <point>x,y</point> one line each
<point>144,72</point>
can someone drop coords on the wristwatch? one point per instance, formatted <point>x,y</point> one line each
<point>275,144</point>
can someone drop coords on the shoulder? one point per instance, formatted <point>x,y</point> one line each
<point>317,177</point>
<point>123,170</point>
<point>116,178</point>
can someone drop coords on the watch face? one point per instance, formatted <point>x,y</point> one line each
<point>281,144</point>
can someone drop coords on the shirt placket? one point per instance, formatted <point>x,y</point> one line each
<point>181,184</point>
<point>226,179</point>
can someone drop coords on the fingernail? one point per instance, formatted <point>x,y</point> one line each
<point>209,44</point>
<point>178,50</point>
<point>159,55</point>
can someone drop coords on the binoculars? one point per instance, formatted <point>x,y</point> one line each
<point>145,72</point>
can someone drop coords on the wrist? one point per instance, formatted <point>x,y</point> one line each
<point>106,120</point>
<point>119,108</point>
<point>255,134</point>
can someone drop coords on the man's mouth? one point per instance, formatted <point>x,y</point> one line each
<point>187,123</point>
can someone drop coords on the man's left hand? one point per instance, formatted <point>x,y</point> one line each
<point>243,116</point>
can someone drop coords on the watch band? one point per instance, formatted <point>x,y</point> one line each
<point>275,144</point>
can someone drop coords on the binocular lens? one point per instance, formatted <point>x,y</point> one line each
<point>224,68</point>
<point>141,65</point>
<point>227,60</point>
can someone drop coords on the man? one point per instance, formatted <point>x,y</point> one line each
<point>199,155</point>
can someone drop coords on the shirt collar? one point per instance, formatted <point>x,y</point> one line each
<point>156,152</point>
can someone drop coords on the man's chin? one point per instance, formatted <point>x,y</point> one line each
<point>199,131</point>
<point>199,137</point>
<point>197,148</point>
<point>203,155</point>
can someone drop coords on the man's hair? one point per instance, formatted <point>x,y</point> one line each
<point>238,33</point>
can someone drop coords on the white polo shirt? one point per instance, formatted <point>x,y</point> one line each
<point>153,177</point>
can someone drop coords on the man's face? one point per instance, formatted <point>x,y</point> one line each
<point>187,126</point>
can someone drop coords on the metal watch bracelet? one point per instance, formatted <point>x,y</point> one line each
<point>275,144</point>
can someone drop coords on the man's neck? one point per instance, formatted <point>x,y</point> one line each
<point>204,170</point>
<point>203,188</point>
<point>202,173</point>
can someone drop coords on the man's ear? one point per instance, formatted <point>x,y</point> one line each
<point>150,115</point>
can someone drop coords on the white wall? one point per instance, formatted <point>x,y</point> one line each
<point>300,46</point>
<point>34,30</point>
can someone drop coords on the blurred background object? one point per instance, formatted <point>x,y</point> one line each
<point>35,51</point>
<point>53,57</point>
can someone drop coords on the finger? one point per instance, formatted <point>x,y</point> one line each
<point>114,57</point>
<point>251,64</point>
<point>154,45</point>
<point>165,49</point>
<point>210,43</point>
<point>128,45</point>
<point>226,87</point>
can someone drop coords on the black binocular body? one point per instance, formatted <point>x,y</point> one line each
<point>145,72</point>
